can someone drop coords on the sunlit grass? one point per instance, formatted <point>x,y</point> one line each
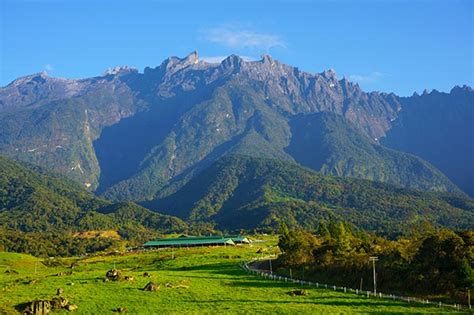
<point>203,280</point>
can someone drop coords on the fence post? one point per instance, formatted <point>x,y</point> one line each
<point>264,274</point>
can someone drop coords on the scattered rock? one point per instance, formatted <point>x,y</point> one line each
<point>146,275</point>
<point>58,303</point>
<point>11,271</point>
<point>180,285</point>
<point>38,307</point>
<point>151,286</point>
<point>64,273</point>
<point>114,275</point>
<point>71,307</point>
<point>59,291</point>
<point>121,310</point>
<point>41,307</point>
<point>298,293</point>
<point>129,278</point>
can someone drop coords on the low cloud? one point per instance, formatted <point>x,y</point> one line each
<point>369,78</point>
<point>237,37</point>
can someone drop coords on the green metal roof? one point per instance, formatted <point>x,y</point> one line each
<point>185,241</point>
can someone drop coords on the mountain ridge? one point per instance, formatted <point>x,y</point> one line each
<point>127,128</point>
<point>242,192</point>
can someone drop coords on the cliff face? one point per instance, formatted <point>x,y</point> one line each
<point>134,135</point>
<point>439,127</point>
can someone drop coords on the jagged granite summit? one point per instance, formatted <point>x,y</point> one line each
<point>135,135</point>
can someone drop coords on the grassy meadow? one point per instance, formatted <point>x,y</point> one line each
<point>196,280</point>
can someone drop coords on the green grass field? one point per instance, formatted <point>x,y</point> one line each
<point>203,280</point>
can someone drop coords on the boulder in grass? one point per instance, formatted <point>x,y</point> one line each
<point>71,307</point>
<point>59,302</point>
<point>59,291</point>
<point>151,286</point>
<point>11,271</point>
<point>114,275</point>
<point>38,307</point>
<point>121,310</point>
<point>298,293</point>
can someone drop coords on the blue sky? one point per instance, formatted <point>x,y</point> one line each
<point>399,46</point>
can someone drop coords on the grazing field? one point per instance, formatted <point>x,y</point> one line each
<point>196,280</point>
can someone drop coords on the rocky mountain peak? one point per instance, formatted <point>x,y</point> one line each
<point>39,77</point>
<point>233,61</point>
<point>120,70</point>
<point>330,74</point>
<point>174,64</point>
<point>267,59</point>
<point>461,89</point>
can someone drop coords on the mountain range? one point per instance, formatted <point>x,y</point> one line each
<point>242,192</point>
<point>132,136</point>
<point>235,193</point>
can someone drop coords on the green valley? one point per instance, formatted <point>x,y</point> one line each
<point>198,280</point>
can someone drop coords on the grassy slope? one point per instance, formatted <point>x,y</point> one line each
<point>216,284</point>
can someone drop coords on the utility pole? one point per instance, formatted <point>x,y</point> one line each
<point>270,262</point>
<point>469,298</point>
<point>373,260</point>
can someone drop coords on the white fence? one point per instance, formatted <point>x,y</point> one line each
<point>272,276</point>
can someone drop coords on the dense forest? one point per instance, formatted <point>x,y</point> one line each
<point>242,192</point>
<point>40,212</point>
<point>437,263</point>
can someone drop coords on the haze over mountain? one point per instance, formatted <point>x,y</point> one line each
<point>139,136</point>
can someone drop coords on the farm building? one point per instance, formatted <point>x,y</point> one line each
<point>239,239</point>
<point>193,241</point>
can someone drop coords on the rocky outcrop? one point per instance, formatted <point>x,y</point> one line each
<point>127,128</point>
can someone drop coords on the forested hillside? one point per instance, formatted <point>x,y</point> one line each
<point>333,145</point>
<point>37,208</point>
<point>241,192</point>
